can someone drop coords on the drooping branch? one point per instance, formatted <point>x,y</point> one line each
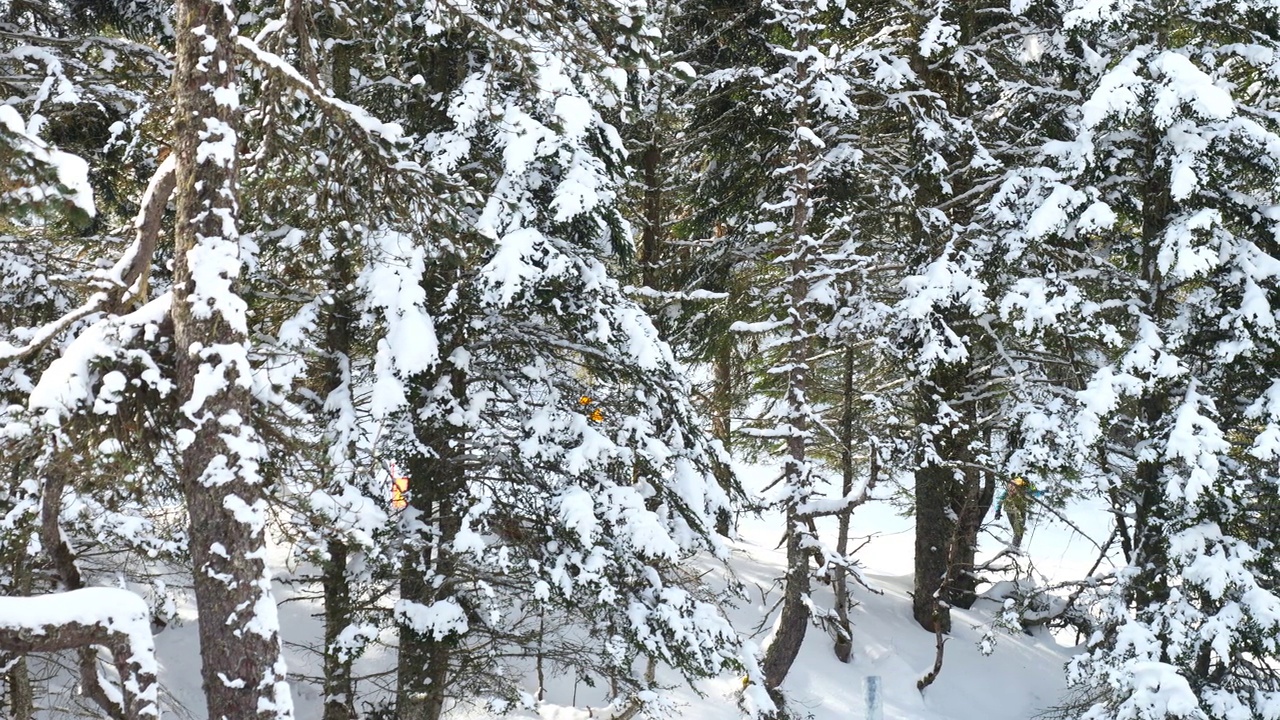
<point>82,620</point>
<point>130,272</point>
<point>339,110</point>
<point>117,283</point>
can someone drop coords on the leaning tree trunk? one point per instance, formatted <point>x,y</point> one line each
<point>242,665</point>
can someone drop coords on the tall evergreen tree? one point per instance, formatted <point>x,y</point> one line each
<point>1161,196</point>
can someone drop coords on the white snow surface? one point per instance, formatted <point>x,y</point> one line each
<point>1023,676</point>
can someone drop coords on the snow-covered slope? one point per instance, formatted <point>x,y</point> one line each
<point>1021,678</point>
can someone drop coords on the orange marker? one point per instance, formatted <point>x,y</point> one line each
<point>399,486</point>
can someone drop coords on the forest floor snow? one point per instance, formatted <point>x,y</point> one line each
<point>1021,678</point>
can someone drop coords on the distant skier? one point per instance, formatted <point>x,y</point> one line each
<point>1015,499</point>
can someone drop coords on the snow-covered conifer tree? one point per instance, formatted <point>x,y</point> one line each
<point>483,330</point>
<point>801,147</point>
<point>220,449</point>
<point>1163,196</point>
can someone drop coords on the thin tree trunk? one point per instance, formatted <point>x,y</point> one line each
<point>794,620</point>
<point>22,699</point>
<point>242,666</point>
<point>339,681</point>
<point>721,424</point>
<point>839,575</point>
<point>651,235</point>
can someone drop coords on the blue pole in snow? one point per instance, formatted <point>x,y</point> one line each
<point>875,710</point>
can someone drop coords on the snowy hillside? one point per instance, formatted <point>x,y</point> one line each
<point>397,356</point>
<point>1022,677</point>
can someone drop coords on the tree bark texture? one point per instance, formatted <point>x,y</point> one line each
<point>423,664</point>
<point>339,608</point>
<point>433,521</point>
<point>339,680</point>
<point>839,574</point>
<point>1150,543</point>
<point>651,234</point>
<point>722,425</point>
<point>339,683</point>
<point>794,620</point>
<point>934,530</point>
<point>242,666</point>
<point>970,505</point>
<point>22,698</point>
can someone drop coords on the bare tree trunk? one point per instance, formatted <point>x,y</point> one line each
<point>794,620</point>
<point>839,575</point>
<point>935,528</point>
<point>721,423</point>
<point>242,665</point>
<point>22,699</point>
<point>651,235</point>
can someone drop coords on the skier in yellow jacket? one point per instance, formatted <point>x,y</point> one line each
<point>1016,500</point>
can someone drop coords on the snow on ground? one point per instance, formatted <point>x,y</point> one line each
<point>1023,676</point>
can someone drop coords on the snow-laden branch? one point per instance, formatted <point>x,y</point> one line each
<point>116,619</point>
<point>146,227</point>
<point>389,132</point>
<point>68,381</point>
<point>121,279</point>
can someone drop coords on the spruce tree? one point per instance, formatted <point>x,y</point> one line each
<point>1160,194</point>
